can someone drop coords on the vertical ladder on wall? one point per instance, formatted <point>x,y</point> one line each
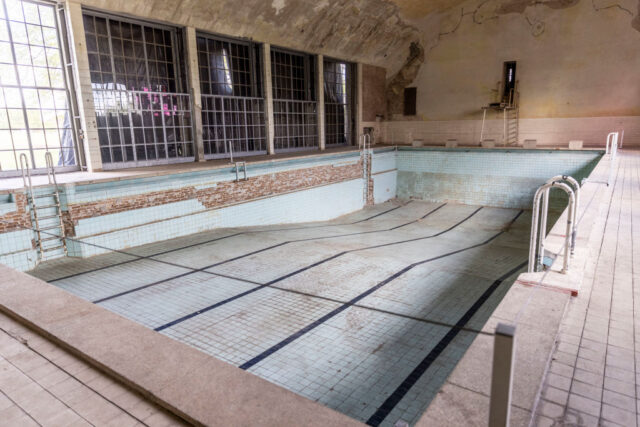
<point>512,130</point>
<point>46,213</point>
<point>365,155</point>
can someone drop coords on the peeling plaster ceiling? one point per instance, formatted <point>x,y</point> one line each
<point>416,9</point>
<point>369,31</point>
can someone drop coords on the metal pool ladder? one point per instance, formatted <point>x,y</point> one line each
<point>542,194</point>
<point>612,143</point>
<point>244,170</point>
<point>36,209</point>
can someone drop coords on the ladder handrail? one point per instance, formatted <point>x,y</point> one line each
<point>51,176</point>
<point>24,164</point>
<point>51,173</point>
<point>244,168</point>
<point>28,185</point>
<point>31,199</point>
<point>576,191</point>
<point>540,192</point>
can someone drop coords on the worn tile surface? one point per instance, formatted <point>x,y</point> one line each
<point>367,314</point>
<point>593,377</point>
<point>43,385</point>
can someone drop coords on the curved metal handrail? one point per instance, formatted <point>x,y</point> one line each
<point>24,165</point>
<point>51,175</point>
<point>576,190</point>
<point>533,260</point>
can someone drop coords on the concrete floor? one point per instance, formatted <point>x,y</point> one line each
<point>43,385</point>
<point>367,314</point>
<point>594,379</point>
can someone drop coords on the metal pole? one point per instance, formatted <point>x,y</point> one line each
<point>484,116</point>
<point>543,226</point>
<point>613,150</point>
<point>504,127</point>
<point>502,375</point>
<point>534,229</point>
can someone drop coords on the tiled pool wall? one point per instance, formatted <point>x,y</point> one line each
<point>117,214</point>
<point>113,215</point>
<point>487,177</point>
<point>384,174</point>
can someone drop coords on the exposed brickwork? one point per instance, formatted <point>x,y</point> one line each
<point>369,201</point>
<point>69,228</point>
<point>222,194</point>
<point>273,184</point>
<point>18,220</point>
<point>122,204</point>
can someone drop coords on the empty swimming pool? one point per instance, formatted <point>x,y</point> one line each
<point>366,314</point>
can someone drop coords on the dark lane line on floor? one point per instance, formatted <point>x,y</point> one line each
<point>343,307</point>
<point>142,257</point>
<point>390,403</point>
<point>203,269</point>
<point>288,275</point>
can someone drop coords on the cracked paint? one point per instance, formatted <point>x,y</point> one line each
<point>368,31</point>
<point>278,5</point>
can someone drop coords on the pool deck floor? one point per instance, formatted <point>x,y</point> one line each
<point>367,314</point>
<point>44,385</point>
<point>594,377</point>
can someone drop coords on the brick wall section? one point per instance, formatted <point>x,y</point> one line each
<point>67,223</point>
<point>369,200</point>
<point>223,193</point>
<point>18,220</point>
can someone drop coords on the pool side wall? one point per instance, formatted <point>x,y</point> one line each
<point>487,177</point>
<point>118,214</point>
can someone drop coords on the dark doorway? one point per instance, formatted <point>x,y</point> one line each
<point>509,82</point>
<point>410,97</point>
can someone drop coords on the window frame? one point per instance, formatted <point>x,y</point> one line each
<point>66,68</point>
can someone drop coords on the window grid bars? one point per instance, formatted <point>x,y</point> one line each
<point>238,121</point>
<point>338,102</point>
<point>294,108</point>
<point>143,128</point>
<point>34,104</point>
<point>295,125</point>
<point>232,111</point>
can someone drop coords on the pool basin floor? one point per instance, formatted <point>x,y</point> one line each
<point>367,314</point>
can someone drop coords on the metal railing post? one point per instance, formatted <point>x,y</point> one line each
<point>576,190</point>
<point>540,193</point>
<point>613,150</point>
<point>502,375</point>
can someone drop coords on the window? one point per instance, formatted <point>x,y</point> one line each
<point>142,110</point>
<point>35,116</point>
<point>338,102</point>
<point>294,101</point>
<point>232,102</point>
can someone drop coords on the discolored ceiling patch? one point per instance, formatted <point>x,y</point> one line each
<point>416,9</point>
